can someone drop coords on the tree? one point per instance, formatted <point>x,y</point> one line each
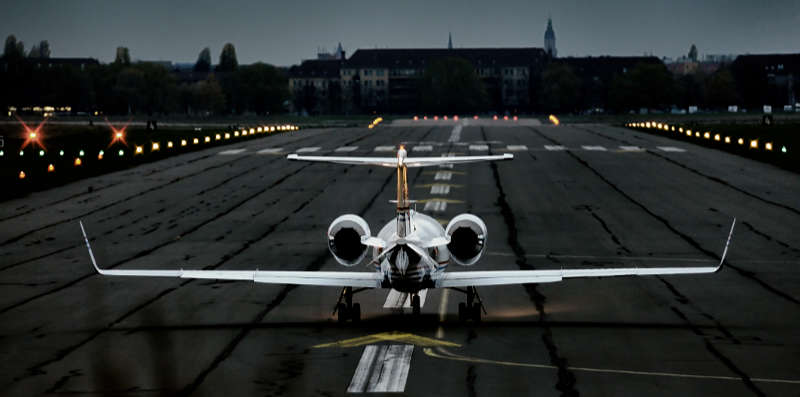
<point>123,56</point>
<point>44,49</point>
<point>34,52</point>
<point>203,63</point>
<point>721,88</point>
<point>560,88</point>
<point>13,49</point>
<point>207,96</point>
<point>450,84</point>
<point>227,59</point>
<point>263,88</point>
<point>693,53</point>
<point>647,85</point>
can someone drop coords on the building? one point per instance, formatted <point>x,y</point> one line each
<point>596,75</point>
<point>550,39</point>
<point>769,79</point>
<point>315,86</point>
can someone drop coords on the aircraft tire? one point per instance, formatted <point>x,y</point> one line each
<point>355,313</point>
<point>341,311</point>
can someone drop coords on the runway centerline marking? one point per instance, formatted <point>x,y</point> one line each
<point>593,148</point>
<point>308,149</point>
<point>346,149</point>
<point>422,148</point>
<point>443,176</point>
<point>271,150</point>
<point>455,134</point>
<point>478,148</point>
<point>436,205</point>
<point>517,148</point>
<point>555,147</point>
<point>230,152</point>
<point>440,189</point>
<point>382,369</point>
<point>402,300</point>
<point>631,149</point>
<point>384,149</point>
<point>671,149</point>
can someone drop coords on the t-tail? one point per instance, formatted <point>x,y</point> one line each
<point>402,162</point>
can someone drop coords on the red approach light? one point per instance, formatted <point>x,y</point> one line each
<point>33,136</point>
<point>118,134</point>
<point>475,117</point>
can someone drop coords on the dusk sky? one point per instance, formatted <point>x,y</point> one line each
<point>284,33</point>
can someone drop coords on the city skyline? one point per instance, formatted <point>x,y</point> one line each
<point>285,34</point>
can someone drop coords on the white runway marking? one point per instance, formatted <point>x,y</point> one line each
<point>631,148</point>
<point>271,150</point>
<point>479,147</point>
<point>308,149</point>
<point>455,135</point>
<point>231,152</point>
<point>422,148</point>
<point>443,176</point>
<point>517,148</point>
<point>594,148</point>
<point>436,206</point>
<point>671,149</point>
<point>346,149</point>
<point>554,147</point>
<point>396,299</point>
<point>440,189</point>
<point>384,148</point>
<point>382,369</point>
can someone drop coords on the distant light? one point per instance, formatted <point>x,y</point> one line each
<point>21,153</point>
<point>169,144</point>
<point>647,124</point>
<point>252,130</point>
<point>495,117</point>
<point>727,139</point>
<point>156,146</point>
<point>121,152</point>
<point>515,118</point>
<point>32,135</point>
<point>505,118</point>
<point>680,129</point>
<point>768,146</point>
<point>435,117</point>
<point>697,134</point>
<point>259,129</point>
<point>416,118</point>
<point>236,133</point>
<point>183,142</point>
<point>50,168</point>
<point>553,119</point>
<point>2,153</point>
<point>741,141</point>
<point>41,153</point>
<point>673,128</point>
<point>783,149</point>
<point>455,117</point>
<point>78,161</point>
<point>196,141</point>
<point>81,153</point>
<point>139,150</point>
<point>217,137</point>
<point>100,155</point>
<point>659,126</point>
<point>445,117</point>
<point>119,135</point>
<point>707,135</point>
<point>207,139</point>
<point>475,117</point>
<point>424,117</point>
<point>22,175</point>
<point>227,135</point>
<point>754,144</point>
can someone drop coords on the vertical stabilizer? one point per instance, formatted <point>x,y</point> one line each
<point>403,205</point>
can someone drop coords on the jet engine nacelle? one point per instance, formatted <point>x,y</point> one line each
<point>467,239</point>
<point>344,239</point>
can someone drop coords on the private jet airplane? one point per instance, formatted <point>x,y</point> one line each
<point>410,253</point>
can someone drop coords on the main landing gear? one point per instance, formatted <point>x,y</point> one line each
<point>348,310</point>
<point>471,309</point>
<point>415,305</point>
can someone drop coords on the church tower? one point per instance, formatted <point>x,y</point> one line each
<point>550,39</point>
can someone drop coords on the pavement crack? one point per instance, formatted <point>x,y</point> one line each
<point>566,380</point>
<point>745,273</point>
<point>728,363</point>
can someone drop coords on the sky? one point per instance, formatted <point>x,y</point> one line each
<point>284,33</point>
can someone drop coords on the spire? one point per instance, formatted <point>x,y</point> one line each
<point>550,39</point>
<point>339,51</point>
<point>449,41</point>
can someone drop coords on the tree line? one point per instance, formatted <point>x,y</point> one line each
<point>140,88</point>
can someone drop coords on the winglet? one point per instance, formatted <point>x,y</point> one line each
<point>89,247</point>
<point>727,243</point>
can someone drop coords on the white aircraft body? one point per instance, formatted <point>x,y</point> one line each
<point>410,253</point>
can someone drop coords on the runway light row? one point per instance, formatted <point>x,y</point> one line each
<point>456,118</point>
<point>753,143</point>
<point>376,122</point>
<point>156,146</point>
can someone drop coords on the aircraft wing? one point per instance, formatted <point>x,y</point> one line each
<point>506,277</point>
<point>410,162</point>
<point>329,279</point>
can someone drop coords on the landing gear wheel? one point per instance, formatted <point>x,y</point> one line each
<point>476,313</point>
<point>415,309</point>
<point>341,311</point>
<point>355,312</point>
<point>462,311</point>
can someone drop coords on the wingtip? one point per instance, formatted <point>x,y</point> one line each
<point>292,156</point>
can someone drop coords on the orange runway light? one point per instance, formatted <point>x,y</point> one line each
<point>436,117</point>
<point>139,150</point>
<point>553,119</point>
<point>50,168</point>
<point>416,118</point>
<point>78,161</point>
<point>33,136</point>
<point>118,134</point>
<point>505,118</point>
<point>495,117</point>
<point>22,175</point>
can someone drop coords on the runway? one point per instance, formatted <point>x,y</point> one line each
<point>574,196</point>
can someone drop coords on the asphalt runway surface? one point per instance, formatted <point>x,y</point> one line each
<point>574,196</point>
